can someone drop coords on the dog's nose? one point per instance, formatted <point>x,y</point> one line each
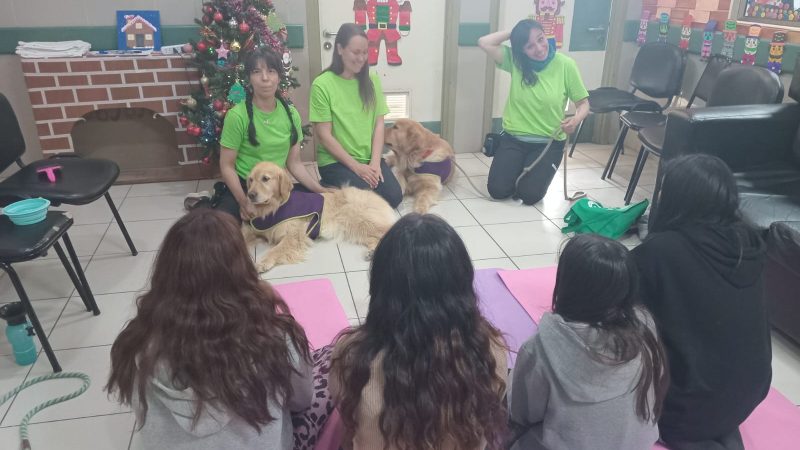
<point>251,196</point>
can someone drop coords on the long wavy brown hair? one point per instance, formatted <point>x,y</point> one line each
<point>440,380</point>
<point>212,323</point>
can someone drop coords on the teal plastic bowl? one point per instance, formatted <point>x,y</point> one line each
<point>28,211</point>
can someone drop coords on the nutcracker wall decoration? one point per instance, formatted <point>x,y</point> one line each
<point>708,40</point>
<point>641,39</point>
<point>548,13</point>
<point>751,45</point>
<point>728,39</point>
<point>663,27</point>
<point>686,32</point>
<point>775,60</point>
<point>383,20</point>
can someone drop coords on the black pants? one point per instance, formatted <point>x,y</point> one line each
<point>511,158</point>
<point>337,174</point>
<point>730,441</point>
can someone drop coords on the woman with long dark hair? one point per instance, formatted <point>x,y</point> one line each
<point>542,81</point>
<point>213,358</point>
<point>595,374</point>
<point>425,370</point>
<point>265,127</point>
<point>701,270</point>
<point>347,109</point>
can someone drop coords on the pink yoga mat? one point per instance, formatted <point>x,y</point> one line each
<point>316,307</point>
<point>503,311</point>
<point>533,289</point>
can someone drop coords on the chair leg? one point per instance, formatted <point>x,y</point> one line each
<point>72,275</point>
<point>575,141</point>
<point>122,228</point>
<point>88,300</point>
<point>23,297</point>
<point>612,158</point>
<point>641,159</point>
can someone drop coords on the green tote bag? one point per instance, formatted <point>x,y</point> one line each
<point>589,216</point>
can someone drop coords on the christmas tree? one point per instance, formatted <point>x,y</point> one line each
<point>229,29</point>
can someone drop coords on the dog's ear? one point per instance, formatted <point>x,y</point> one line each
<point>417,142</point>
<point>285,186</point>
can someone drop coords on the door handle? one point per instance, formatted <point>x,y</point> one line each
<point>327,34</point>
<point>596,29</point>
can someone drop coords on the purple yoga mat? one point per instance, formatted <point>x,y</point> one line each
<point>503,311</point>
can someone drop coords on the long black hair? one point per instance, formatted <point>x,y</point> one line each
<point>597,283</point>
<point>440,380</point>
<point>365,88</point>
<point>520,35</point>
<point>697,189</point>
<point>273,62</point>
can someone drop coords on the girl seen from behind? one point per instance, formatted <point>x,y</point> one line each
<point>701,277</point>
<point>594,375</point>
<point>425,371</point>
<point>213,359</point>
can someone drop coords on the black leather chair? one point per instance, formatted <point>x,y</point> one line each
<point>24,243</point>
<point>735,85</point>
<point>782,277</point>
<point>657,72</point>
<point>79,182</point>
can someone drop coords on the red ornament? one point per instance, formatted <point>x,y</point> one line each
<point>207,20</point>
<point>218,17</point>
<point>201,46</point>
<point>208,9</point>
<point>183,120</point>
<point>244,28</point>
<point>206,160</point>
<point>218,129</point>
<point>218,105</point>
<point>224,111</point>
<point>193,130</point>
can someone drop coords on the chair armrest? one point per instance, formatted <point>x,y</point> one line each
<point>743,136</point>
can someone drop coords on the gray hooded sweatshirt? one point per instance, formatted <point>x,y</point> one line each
<point>170,410</point>
<point>571,401</point>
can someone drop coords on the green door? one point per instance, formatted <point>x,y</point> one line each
<point>590,21</point>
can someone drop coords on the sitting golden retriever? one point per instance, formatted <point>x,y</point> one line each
<point>290,219</point>
<point>420,160</point>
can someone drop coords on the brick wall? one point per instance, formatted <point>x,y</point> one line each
<point>63,90</point>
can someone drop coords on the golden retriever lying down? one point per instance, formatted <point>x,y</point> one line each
<point>350,214</point>
<point>421,162</point>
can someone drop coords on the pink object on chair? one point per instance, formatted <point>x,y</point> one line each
<point>50,171</point>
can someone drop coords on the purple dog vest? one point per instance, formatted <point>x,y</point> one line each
<point>441,168</point>
<point>300,205</point>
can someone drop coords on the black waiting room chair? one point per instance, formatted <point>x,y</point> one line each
<point>79,182</point>
<point>27,242</point>
<point>657,72</point>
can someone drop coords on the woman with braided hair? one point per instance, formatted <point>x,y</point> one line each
<point>265,127</point>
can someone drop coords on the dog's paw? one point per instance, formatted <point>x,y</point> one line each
<point>368,255</point>
<point>264,266</point>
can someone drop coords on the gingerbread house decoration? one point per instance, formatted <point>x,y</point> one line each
<point>139,33</point>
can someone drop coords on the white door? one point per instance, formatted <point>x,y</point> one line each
<point>417,81</point>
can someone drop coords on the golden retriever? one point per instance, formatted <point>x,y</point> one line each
<point>351,214</point>
<point>420,160</point>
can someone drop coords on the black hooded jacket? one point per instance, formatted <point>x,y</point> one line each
<point>704,288</point>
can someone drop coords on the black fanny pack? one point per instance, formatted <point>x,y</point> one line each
<point>491,143</point>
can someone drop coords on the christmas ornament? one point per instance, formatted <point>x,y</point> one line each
<point>708,40</point>
<point>686,32</point>
<point>751,45</point>
<point>212,52</point>
<point>204,80</point>
<point>183,120</point>
<point>221,62</point>
<point>193,130</point>
<point>775,60</point>
<point>641,39</point>
<point>218,17</point>
<point>218,105</point>
<point>729,39</point>
<point>187,48</point>
<point>236,46</point>
<point>236,94</point>
<point>190,102</point>
<point>250,43</point>
<point>233,23</point>
<point>222,52</point>
<point>206,160</point>
<point>207,20</point>
<point>244,28</point>
<point>208,9</point>
<point>201,46</point>
<point>663,27</point>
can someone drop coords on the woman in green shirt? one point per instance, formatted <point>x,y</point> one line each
<point>542,81</point>
<point>265,127</point>
<point>347,109</point>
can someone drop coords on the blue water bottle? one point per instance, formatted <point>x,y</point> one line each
<point>19,333</point>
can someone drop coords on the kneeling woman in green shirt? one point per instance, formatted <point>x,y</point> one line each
<point>265,127</point>
<point>542,81</point>
<point>347,109</point>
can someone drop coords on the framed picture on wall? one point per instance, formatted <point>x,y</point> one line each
<point>138,30</point>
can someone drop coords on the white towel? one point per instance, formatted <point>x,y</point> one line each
<point>52,49</point>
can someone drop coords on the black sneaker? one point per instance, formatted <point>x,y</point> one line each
<point>196,199</point>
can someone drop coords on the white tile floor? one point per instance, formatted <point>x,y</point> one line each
<point>497,234</point>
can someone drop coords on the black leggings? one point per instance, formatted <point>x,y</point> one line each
<point>511,158</point>
<point>337,174</point>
